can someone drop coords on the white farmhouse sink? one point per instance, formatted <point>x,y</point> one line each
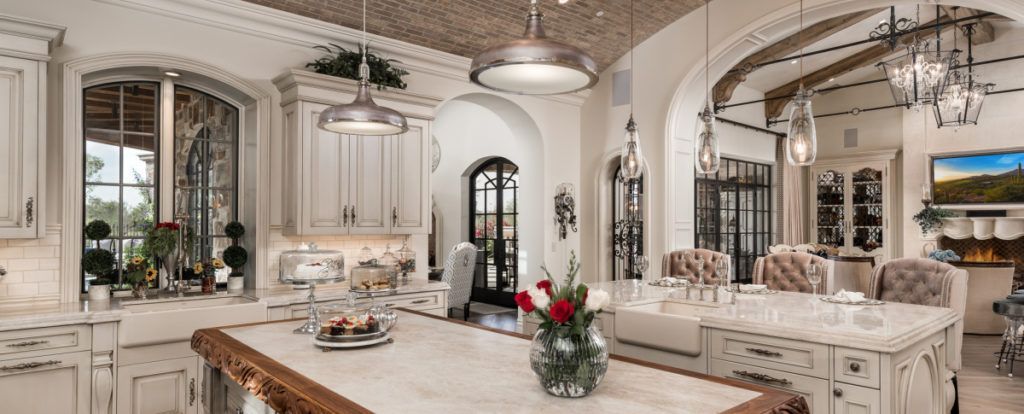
<point>666,325</point>
<point>159,321</point>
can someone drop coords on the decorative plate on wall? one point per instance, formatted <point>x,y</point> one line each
<point>435,153</point>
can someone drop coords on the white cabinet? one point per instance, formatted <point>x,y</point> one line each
<point>851,204</point>
<point>168,386</point>
<point>851,399</point>
<point>23,57</point>
<point>336,184</point>
<point>47,384</point>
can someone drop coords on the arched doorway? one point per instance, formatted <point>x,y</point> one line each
<point>494,229</point>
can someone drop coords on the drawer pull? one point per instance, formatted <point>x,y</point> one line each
<point>765,352</point>
<point>855,367</point>
<point>27,343</point>
<point>420,301</point>
<point>28,365</point>
<point>192,392</point>
<point>763,378</point>
<point>838,392</point>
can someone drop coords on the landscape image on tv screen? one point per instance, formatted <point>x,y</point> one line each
<point>974,179</point>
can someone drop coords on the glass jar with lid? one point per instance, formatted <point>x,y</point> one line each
<point>373,278</point>
<point>309,263</point>
<point>348,319</point>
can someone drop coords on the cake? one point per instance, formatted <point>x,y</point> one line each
<point>312,271</point>
<point>350,325</point>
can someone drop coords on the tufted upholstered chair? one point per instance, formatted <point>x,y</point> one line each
<point>676,264</point>
<point>925,282</point>
<point>458,273</point>
<point>788,272</point>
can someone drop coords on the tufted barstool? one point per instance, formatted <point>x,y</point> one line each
<point>930,283</point>
<point>788,272</point>
<point>676,264</point>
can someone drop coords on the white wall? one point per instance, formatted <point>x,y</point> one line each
<point>258,44</point>
<point>743,143</point>
<point>876,130</point>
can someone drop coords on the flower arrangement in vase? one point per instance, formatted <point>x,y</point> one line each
<point>568,354</point>
<point>162,241</point>
<point>205,272</point>
<point>140,274</point>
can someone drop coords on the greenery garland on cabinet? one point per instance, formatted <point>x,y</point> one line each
<point>344,63</point>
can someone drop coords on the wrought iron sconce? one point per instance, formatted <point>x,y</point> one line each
<point>565,209</point>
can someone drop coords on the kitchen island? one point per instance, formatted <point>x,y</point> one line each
<point>441,365</point>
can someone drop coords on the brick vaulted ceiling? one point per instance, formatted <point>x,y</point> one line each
<point>465,27</point>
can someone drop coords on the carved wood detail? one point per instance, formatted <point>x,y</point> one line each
<point>102,382</point>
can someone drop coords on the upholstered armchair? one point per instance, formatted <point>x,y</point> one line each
<point>458,273</point>
<point>930,283</point>
<point>787,271</point>
<point>677,264</point>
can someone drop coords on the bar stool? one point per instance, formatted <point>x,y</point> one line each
<point>1013,338</point>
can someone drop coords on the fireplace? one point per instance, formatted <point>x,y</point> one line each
<point>988,252</point>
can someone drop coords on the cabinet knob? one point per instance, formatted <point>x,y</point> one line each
<point>855,367</point>
<point>838,392</point>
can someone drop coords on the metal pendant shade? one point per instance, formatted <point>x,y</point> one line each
<point>632,160</point>
<point>363,116</point>
<point>706,151</point>
<point>801,139</point>
<point>534,64</point>
<point>960,103</point>
<point>920,75</point>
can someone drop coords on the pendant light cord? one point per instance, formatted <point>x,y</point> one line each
<point>707,52</point>
<point>800,40</point>
<point>632,65</point>
<point>364,70</point>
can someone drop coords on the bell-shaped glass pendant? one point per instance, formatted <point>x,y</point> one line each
<point>706,153</point>
<point>632,163</point>
<point>801,140</point>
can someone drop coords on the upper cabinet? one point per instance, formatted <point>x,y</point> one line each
<point>336,184</point>
<point>25,47</point>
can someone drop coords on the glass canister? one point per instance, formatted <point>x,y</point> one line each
<point>373,277</point>
<point>347,320</point>
<point>307,262</point>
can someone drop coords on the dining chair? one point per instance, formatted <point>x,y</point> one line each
<point>930,283</point>
<point>458,274</point>
<point>683,264</point>
<point>787,271</point>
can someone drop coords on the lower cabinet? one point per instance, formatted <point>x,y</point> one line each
<point>56,383</point>
<point>168,386</point>
<point>852,399</point>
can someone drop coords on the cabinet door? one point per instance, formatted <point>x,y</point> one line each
<point>21,135</point>
<point>851,399</point>
<point>51,384</point>
<point>410,180</point>
<point>829,216</point>
<point>867,202</point>
<point>170,386</point>
<point>325,179</point>
<point>369,180</point>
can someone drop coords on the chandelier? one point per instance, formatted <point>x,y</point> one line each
<point>960,103</point>
<point>920,75</point>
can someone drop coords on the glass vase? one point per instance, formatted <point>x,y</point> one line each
<point>567,364</point>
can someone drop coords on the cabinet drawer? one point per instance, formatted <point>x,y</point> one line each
<point>851,399</point>
<point>45,341</point>
<point>798,357</point>
<point>857,367</point>
<point>814,390</point>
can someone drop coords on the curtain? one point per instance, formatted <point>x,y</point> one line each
<point>792,203</point>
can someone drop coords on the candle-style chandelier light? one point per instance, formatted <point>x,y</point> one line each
<point>920,75</point>
<point>960,103</point>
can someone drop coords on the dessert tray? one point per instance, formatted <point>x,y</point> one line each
<point>329,342</point>
<point>669,282</point>
<point>844,301</point>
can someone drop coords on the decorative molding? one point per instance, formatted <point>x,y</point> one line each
<point>859,157</point>
<point>303,85</point>
<point>48,36</point>
<point>102,382</point>
<point>983,228</point>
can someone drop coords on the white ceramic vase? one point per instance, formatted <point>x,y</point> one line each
<point>99,292</point>
<point>236,283</point>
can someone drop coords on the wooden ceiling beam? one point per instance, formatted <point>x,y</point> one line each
<point>983,30</point>
<point>723,90</point>
<point>870,56</point>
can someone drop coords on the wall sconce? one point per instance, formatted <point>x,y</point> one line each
<point>565,209</point>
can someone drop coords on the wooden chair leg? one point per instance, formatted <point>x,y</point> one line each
<point>465,312</point>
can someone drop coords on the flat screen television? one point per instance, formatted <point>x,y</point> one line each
<point>990,178</point>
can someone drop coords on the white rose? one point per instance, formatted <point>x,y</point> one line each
<point>597,300</point>
<point>539,297</point>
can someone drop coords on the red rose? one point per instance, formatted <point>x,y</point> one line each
<point>546,285</point>
<point>562,311</point>
<point>524,301</point>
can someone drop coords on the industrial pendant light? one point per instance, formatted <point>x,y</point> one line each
<point>801,137</point>
<point>534,64</point>
<point>363,116</point>
<point>706,150</point>
<point>632,162</point>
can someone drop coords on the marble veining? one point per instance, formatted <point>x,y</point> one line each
<point>438,366</point>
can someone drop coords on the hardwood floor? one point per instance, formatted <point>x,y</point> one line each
<point>982,388</point>
<point>503,320</point>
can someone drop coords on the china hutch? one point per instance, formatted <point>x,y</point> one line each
<point>851,201</point>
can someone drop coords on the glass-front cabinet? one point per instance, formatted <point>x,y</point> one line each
<point>850,202</point>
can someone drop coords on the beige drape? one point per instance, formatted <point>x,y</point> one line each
<point>792,204</point>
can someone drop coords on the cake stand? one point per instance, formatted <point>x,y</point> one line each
<point>312,325</point>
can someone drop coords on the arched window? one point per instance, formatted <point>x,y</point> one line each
<point>627,227</point>
<point>494,229</point>
<point>122,156</point>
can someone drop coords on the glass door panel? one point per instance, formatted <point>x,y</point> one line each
<point>831,208</point>
<point>866,194</point>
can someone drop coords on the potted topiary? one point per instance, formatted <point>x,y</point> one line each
<point>97,261</point>
<point>235,256</point>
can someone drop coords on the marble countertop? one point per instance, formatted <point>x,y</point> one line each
<point>885,328</point>
<point>435,365</point>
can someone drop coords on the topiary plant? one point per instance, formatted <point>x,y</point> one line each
<point>97,261</point>
<point>344,63</point>
<point>235,257</point>
<point>234,230</point>
<point>97,230</point>
<point>100,281</point>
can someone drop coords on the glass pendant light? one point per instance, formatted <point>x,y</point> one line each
<point>534,64</point>
<point>363,116</point>
<point>706,151</point>
<point>632,160</point>
<point>801,137</point>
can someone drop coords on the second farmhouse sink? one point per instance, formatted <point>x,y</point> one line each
<point>158,321</point>
<point>666,325</point>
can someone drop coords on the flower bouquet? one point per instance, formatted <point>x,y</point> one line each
<point>569,355</point>
<point>162,241</point>
<point>139,274</point>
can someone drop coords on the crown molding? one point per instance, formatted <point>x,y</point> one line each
<point>252,19</point>
<point>44,37</point>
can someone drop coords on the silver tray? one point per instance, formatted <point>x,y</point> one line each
<point>680,284</point>
<point>868,302</point>
<point>757,292</point>
<point>327,346</point>
<point>351,338</point>
<point>314,281</point>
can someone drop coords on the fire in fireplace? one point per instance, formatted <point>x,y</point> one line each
<point>978,254</point>
<point>989,250</point>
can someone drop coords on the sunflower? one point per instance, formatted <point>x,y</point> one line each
<point>217,263</point>
<point>136,260</point>
<point>198,268</point>
<point>150,274</point>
